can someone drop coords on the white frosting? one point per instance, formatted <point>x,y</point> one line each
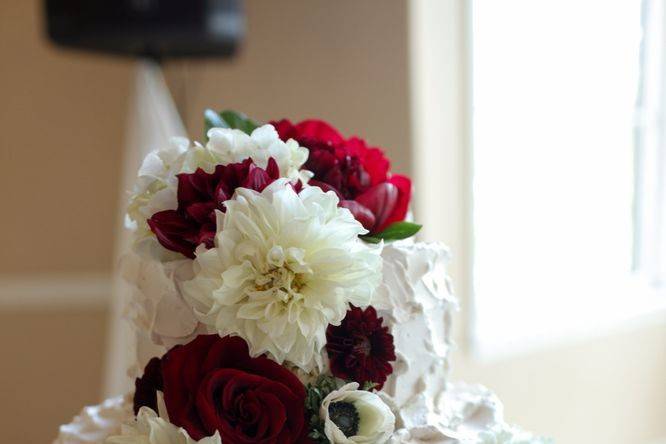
<point>471,414</point>
<point>95,423</point>
<point>416,302</point>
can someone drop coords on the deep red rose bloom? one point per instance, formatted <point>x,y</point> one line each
<point>146,387</point>
<point>212,384</point>
<point>360,348</point>
<point>199,195</point>
<point>359,174</point>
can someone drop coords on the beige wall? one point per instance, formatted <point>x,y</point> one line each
<point>61,134</point>
<point>51,366</point>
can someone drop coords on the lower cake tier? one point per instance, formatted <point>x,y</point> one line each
<point>471,414</point>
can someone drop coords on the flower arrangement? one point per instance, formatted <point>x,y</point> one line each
<point>264,243</point>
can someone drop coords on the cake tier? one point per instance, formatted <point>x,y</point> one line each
<point>414,298</point>
<point>416,302</point>
<point>471,415</point>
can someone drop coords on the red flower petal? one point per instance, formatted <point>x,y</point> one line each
<point>360,212</point>
<point>373,160</point>
<point>212,384</point>
<point>174,232</point>
<point>360,348</point>
<point>356,171</point>
<point>318,130</point>
<point>381,200</point>
<point>399,213</point>
<point>285,129</point>
<point>199,195</point>
<point>146,387</point>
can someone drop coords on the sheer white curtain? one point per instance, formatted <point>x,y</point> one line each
<point>152,120</point>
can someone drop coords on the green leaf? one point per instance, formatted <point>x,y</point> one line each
<point>228,119</point>
<point>395,231</point>
<point>371,239</point>
<point>368,386</point>
<point>314,395</point>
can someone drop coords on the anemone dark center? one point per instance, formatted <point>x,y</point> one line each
<point>345,416</point>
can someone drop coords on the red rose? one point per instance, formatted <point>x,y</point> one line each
<point>199,195</point>
<point>359,174</point>
<point>212,384</point>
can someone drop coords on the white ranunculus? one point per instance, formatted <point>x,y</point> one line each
<point>148,428</point>
<point>376,421</point>
<point>157,183</point>
<point>284,267</point>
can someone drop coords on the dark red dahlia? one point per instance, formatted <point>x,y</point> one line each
<point>360,349</point>
<point>359,174</point>
<point>147,386</point>
<point>199,195</point>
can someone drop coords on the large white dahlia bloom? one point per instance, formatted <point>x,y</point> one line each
<point>157,185</point>
<point>284,267</point>
<point>148,428</point>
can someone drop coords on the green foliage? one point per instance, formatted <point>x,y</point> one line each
<point>228,119</point>
<point>395,231</point>
<point>368,386</point>
<point>315,394</point>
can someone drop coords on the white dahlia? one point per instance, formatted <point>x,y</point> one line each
<point>148,428</point>
<point>284,267</point>
<point>157,185</point>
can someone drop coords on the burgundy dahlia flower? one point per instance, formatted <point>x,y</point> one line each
<point>359,174</point>
<point>360,348</point>
<point>199,195</point>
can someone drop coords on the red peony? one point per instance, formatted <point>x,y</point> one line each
<point>199,195</point>
<point>357,173</point>
<point>212,384</point>
<point>360,348</point>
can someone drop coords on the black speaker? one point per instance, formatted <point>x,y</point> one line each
<point>158,29</point>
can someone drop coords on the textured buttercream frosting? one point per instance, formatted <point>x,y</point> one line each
<point>416,302</point>
<point>95,423</point>
<point>471,414</point>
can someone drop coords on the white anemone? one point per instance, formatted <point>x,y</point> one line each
<point>284,267</point>
<point>353,416</point>
<point>148,428</point>
<point>156,186</point>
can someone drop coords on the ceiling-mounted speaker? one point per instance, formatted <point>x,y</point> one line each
<point>157,29</point>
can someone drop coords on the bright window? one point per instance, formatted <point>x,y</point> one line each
<point>555,93</point>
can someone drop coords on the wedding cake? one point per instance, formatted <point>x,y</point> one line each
<point>274,267</point>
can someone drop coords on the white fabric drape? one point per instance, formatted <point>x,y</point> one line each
<point>152,120</point>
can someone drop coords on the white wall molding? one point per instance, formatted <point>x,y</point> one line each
<point>55,291</point>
